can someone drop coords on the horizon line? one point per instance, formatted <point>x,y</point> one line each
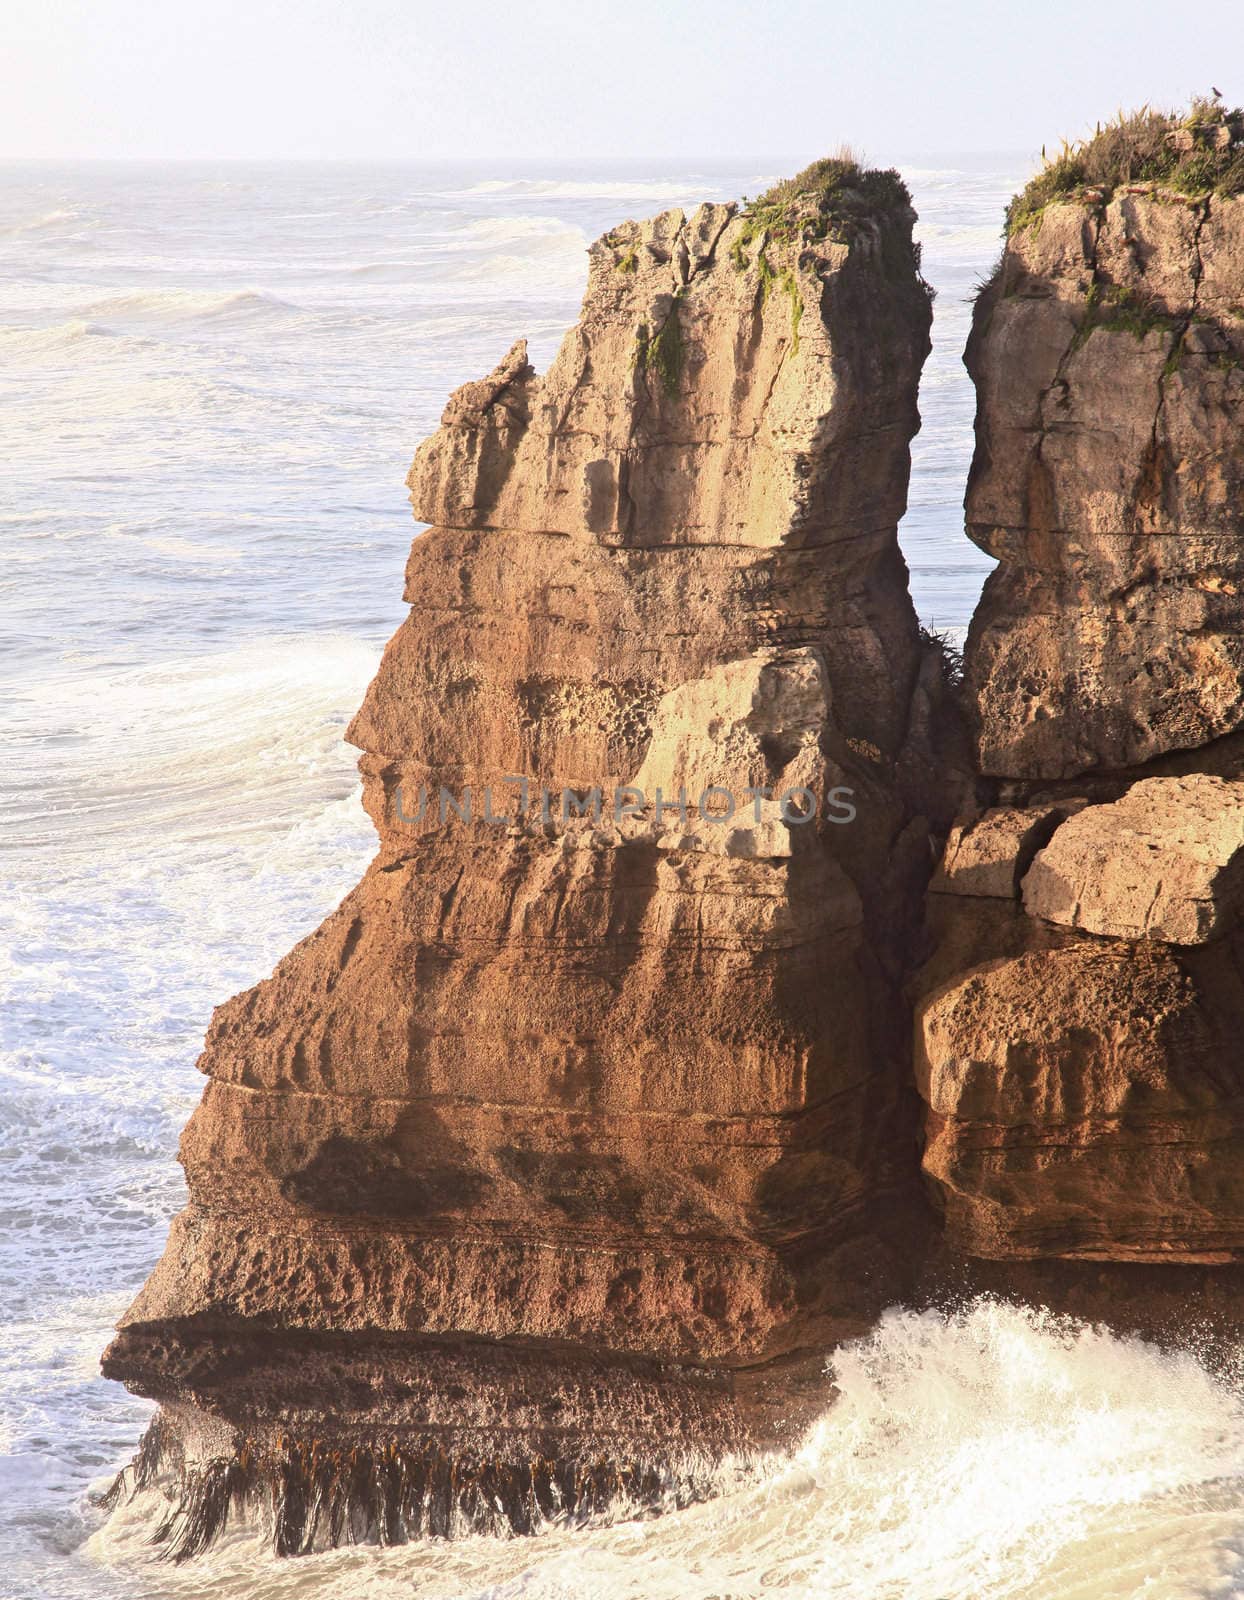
<point>464,161</point>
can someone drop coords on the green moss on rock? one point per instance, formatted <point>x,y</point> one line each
<point>1116,309</point>
<point>661,353</point>
<point>823,201</point>
<point>828,200</point>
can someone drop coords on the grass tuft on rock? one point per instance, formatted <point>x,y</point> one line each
<point>1117,309</point>
<point>948,653</point>
<point>665,351</point>
<point>1195,153</point>
<point>820,202</point>
<point>830,199</point>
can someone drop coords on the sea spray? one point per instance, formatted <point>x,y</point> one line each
<point>992,1452</point>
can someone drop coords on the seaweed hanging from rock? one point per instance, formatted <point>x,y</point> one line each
<point>314,1496</point>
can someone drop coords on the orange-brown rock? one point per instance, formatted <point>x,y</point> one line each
<point>1079,1015</point>
<point>1077,1040</point>
<point>623,1088</point>
<point>1088,1102</point>
<point>988,855</point>
<point>1166,861</point>
<point>1108,355</point>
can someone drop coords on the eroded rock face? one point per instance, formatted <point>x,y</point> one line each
<point>622,1087</point>
<point>1164,862</point>
<point>1108,354</point>
<point>1088,1102</point>
<point>989,855</point>
<point>670,333</point>
<point>1078,1027</point>
<point>1084,1092</point>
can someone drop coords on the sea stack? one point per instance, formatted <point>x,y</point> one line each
<point>1077,1043</point>
<point>548,1167</point>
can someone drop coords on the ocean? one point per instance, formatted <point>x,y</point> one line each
<point>212,379</point>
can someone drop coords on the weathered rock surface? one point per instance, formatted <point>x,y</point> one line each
<point>1108,354</point>
<point>989,855</point>
<point>1079,1015</point>
<point>1164,862</point>
<point>1088,1101</point>
<point>627,1088</point>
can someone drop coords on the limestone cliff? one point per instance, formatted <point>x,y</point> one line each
<point>544,1173</point>
<point>568,1128</point>
<point>1108,355</point>
<point>1077,1043</point>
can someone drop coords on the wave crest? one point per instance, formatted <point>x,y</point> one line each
<point>191,305</point>
<point>694,188</point>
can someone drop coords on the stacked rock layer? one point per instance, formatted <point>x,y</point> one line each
<point>1078,1038</point>
<point>586,1109</point>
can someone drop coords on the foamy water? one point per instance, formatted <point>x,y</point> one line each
<point>995,1452</point>
<point>211,381</point>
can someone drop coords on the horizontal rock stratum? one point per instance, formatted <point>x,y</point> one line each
<point>729,968</point>
<point>567,1136</point>
<point>1078,1022</point>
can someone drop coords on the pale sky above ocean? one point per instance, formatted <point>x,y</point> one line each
<point>419,79</point>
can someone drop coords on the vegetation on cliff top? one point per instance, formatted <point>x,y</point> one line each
<point>823,199</point>
<point>1197,152</point>
<point>827,200</point>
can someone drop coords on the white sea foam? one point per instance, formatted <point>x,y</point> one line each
<point>200,745</point>
<point>491,246</point>
<point>566,270</point>
<point>35,344</point>
<point>179,305</point>
<point>490,232</point>
<point>646,189</point>
<point>994,1453</point>
<point>45,222</point>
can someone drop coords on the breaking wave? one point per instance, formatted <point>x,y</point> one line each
<point>993,1452</point>
<point>35,342</point>
<point>612,189</point>
<point>188,305</point>
<point>58,220</point>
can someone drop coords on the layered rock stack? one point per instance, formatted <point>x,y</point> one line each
<point>1078,1043</point>
<point>543,1175</point>
<point>515,1186</point>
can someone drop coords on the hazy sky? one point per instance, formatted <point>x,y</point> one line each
<point>575,78</point>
